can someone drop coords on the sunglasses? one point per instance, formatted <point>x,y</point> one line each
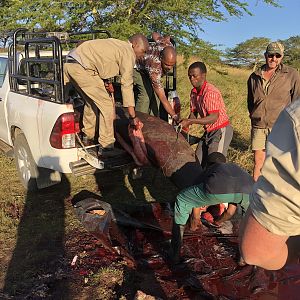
<point>272,55</point>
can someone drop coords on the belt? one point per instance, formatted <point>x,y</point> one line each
<point>71,61</point>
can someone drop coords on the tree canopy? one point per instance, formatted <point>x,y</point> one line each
<point>249,53</point>
<point>181,19</point>
<point>292,51</point>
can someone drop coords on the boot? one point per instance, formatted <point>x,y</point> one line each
<point>110,152</point>
<point>86,141</point>
<point>176,242</point>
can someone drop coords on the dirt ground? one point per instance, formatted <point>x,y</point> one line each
<point>40,235</point>
<point>46,253</point>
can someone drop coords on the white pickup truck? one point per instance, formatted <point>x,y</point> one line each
<point>39,125</point>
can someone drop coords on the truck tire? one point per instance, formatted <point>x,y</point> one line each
<point>25,164</point>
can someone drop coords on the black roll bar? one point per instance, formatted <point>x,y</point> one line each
<point>22,40</point>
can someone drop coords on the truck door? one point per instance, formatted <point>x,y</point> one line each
<point>4,87</point>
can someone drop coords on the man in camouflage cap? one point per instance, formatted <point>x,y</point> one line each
<point>270,89</point>
<point>275,48</point>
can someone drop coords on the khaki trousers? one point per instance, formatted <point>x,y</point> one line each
<point>91,87</point>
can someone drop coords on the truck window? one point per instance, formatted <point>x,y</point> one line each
<point>3,65</point>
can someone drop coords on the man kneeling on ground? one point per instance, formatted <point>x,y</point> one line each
<point>221,183</point>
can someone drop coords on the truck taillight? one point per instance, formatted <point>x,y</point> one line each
<point>63,132</point>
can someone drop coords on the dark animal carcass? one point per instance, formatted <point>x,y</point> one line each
<point>166,149</point>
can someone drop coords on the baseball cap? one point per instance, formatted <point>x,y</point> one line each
<point>275,47</point>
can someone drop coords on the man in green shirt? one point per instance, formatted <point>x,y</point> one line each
<point>221,183</point>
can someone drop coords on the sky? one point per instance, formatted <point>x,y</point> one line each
<point>267,21</point>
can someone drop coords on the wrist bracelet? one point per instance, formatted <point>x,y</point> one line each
<point>132,118</point>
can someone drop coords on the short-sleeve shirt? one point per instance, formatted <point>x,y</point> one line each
<point>209,100</point>
<point>151,62</point>
<point>275,200</point>
<point>221,183</point>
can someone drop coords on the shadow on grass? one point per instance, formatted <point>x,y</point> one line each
<point>36,265</point>
<point>153,186</point>
<point>119,189</point>
<point>239,142</point>
<point>129,195</point>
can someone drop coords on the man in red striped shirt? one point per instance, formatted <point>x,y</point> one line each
<point>207,109</point>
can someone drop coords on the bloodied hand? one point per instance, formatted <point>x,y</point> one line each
<point>135,123</point>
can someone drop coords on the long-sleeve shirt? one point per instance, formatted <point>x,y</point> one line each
<point>266,101</point>
<point>108,58</point>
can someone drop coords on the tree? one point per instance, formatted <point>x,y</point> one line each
<point>292,51</point>
<point>249,53</point>
<point>181,18</point>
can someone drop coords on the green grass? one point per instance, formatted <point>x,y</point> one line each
<point>106,280</point>
<point>38,231</point>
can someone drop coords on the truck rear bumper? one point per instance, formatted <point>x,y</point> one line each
<point>81,167</point>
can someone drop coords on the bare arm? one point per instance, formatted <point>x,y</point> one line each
<point>210,119</point>
<point>163,99</point>
<point>227,214</point>
<point>131,111</point>
<point>275,198</point>
<point>260,247</point>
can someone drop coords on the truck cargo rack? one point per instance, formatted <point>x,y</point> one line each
<point>35,61</point>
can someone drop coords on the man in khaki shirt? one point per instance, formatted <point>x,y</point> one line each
<point>88,66</point>
<point>273,218</point>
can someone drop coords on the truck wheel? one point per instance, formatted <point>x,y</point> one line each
<point>26,166</point>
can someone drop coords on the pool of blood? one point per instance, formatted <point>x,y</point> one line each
<point>208,268</point>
